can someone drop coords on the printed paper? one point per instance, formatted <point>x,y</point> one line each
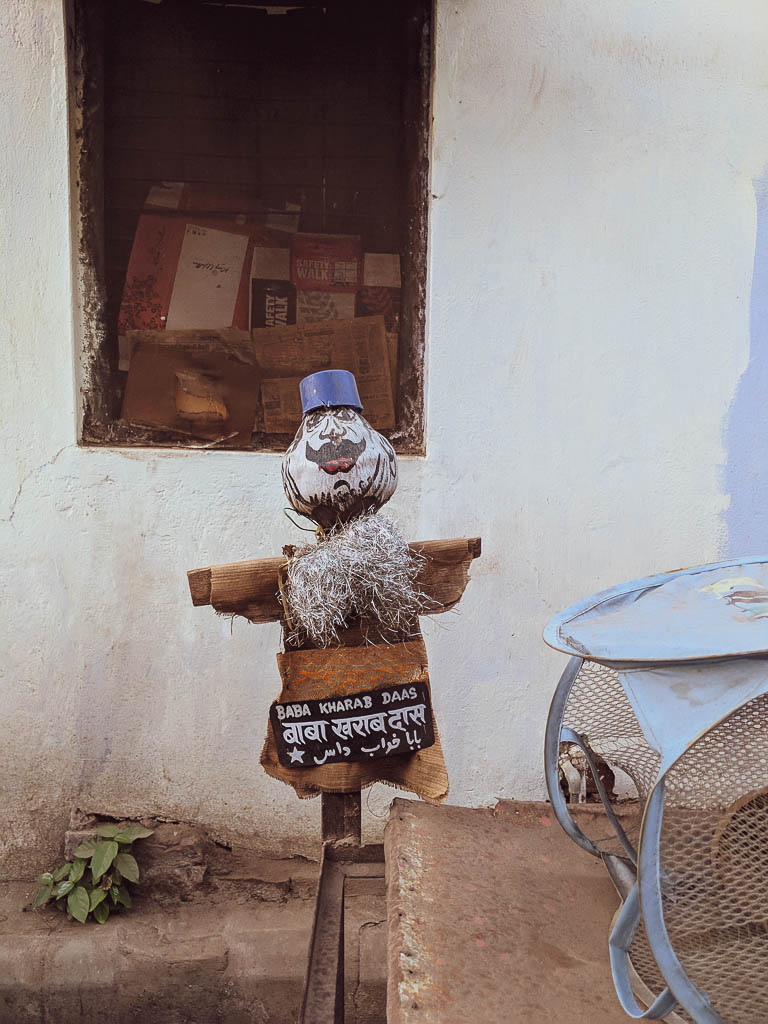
<point>207,278</point>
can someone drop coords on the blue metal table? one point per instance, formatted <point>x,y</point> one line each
<point>668,683</point>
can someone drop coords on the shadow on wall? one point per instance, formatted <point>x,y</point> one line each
<point>746,471</point>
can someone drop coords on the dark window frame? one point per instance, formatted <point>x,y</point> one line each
<point>98,374</point>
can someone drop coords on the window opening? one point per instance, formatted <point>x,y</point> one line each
<point>253,197</point>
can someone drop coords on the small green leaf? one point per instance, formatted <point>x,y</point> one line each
<point>45,879</point>
<point>61,872</point>
<point>76,870</point>
<point>124,897</point>
<point>78,904</point>
<point>86,848</point>
<point>63,888</point>
<point>103,856</point>
<point>101,913</point>
<point>42,895</point>
<point>127,866</point>
<point>114,892</point>
<point>108,831</point>
<point>133,832</point>
<point>97,896</point>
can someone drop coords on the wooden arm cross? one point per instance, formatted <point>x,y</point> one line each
<point>250,588</point>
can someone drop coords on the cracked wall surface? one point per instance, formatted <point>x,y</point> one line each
<point>592,236</point>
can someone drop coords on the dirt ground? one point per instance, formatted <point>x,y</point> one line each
<point>230,949</point>
<point>489,916</point>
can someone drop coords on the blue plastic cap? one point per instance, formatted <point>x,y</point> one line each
<point>329,388</point>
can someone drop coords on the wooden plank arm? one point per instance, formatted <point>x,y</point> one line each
<point>445,576</point>
<point>250,588</point>
<point>200,586</point>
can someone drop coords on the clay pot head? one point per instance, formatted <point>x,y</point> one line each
<point>338,466</point>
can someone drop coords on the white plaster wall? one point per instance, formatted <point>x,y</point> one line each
<point>592,238</point>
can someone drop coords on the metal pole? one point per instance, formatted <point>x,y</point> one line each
<point>341,818</point>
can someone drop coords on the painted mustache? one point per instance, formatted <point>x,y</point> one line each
<point>336,456</point>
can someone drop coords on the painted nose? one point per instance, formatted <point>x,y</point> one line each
<point>333,433</point>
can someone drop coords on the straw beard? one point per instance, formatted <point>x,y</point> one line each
<point>363,568</point>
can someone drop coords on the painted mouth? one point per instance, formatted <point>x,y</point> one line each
<point>337,466</point>
<point>336,457</point>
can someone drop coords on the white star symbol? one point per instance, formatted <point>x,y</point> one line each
<point>296,755</point>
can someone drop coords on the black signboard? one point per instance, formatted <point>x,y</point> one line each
<point>394,721</point>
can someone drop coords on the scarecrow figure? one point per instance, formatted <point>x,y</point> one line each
<point>355,704</point>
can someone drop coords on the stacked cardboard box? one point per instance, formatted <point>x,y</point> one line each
<point>204,269</point>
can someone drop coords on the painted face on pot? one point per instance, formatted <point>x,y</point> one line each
<point>338,466</point>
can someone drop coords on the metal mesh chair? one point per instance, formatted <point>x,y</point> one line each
<point>686,718</point>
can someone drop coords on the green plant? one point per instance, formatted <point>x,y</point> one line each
<point>101,869</point>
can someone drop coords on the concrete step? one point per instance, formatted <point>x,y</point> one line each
<point>232,949</point>
<point>197,963</point>
<point>495,916</point>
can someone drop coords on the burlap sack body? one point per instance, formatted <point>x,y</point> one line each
<point>343,672</point>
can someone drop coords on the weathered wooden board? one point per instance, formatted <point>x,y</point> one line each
<point>250,588</point>
<point>339,673</point>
